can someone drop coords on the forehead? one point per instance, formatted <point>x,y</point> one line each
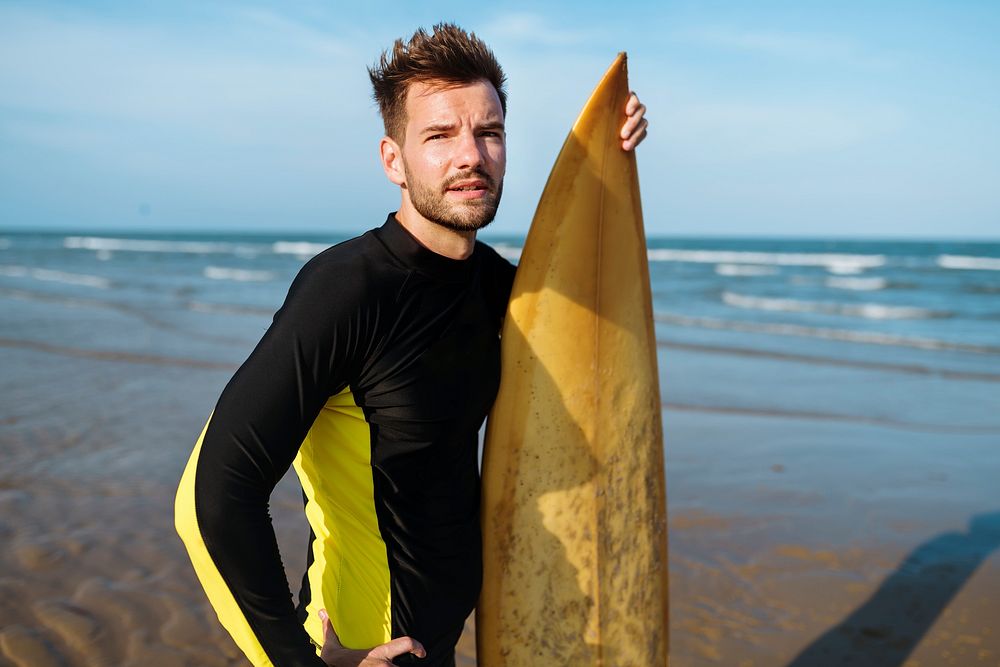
<point>437,102</point>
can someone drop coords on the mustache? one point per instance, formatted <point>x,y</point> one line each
<point>471,174</point>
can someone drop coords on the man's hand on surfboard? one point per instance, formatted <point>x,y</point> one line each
<point>335,655</point>
<point>634,129</point>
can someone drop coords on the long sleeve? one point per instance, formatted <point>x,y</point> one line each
<point>249,442</point>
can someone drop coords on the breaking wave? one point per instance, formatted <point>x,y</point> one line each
<point>869,311</point>
<point>51,275</point>
<point>239,275</point>
<point>834,262</point>
<point>846,335</point>
<point>744,270</point>
<point>969,263</point>
<point>858,284</point>
<point>298,248</point>
<point>106,245</point>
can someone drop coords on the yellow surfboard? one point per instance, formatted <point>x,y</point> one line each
<point>574,509</point>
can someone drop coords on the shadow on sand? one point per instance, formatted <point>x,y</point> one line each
<point>884,630</point>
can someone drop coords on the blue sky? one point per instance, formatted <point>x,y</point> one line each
<point>835,119</point>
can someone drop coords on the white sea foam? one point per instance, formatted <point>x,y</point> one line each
<point>51,275</point>
<point>104,245</point>
<point>13,271</point>
<point>847,335</point>
<point>870,311</point>
<point>832,261</point>
<point>969,262</point>
<point>298,248</point>
<point>744,270</point>
<point>845,268</point>
<point>858,284</point>
<point>227,309</point>
<point>241,275</point>
<point>749,263</point>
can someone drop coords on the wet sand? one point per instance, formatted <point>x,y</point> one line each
<point>795,539</point>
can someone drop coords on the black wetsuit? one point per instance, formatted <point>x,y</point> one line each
<point>374,379</point>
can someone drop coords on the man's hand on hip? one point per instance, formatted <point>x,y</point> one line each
<point>335,655</point>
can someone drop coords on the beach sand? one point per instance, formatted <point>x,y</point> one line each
<point>795,538</point>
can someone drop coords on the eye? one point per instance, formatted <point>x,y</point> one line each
<point>434,136</point>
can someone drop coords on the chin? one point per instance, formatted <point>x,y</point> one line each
<point>469,216</point>
<point>463,225</point>
<point>464,218</point>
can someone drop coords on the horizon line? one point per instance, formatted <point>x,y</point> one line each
<point>486,235</point>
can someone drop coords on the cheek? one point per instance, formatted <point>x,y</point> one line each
<point>434,157</point>
<point>426,161</point>
<point>498,155</point>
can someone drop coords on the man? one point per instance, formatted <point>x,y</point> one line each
<point>373,381</point>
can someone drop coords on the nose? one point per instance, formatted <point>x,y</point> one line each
<point>468,151</point>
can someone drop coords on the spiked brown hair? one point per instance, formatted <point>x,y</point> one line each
<point>449,55</point>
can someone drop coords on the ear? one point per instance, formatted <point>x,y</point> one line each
<point>391,155</point>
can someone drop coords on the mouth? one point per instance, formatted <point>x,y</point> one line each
<point>469,189</point>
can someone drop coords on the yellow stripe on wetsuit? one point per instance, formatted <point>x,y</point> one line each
<point>349,575</point>
<point>186,523</point>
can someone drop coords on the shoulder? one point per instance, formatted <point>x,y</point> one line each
<point>344,281</point>
<point>356,268</point>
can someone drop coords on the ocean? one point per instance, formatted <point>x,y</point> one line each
<point>866,301</point>
<point>742,325</point>
<point>831,431</point>
<point>758,326</point>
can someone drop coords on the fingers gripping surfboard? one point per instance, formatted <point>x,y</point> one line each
<point>574,509</point>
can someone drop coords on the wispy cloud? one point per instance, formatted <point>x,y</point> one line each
<point>529,28</point>
<point>741,130</point>
<point>790,45</point>
<point>82,72</point>
<point>290,31</point>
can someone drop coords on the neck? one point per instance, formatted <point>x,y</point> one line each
<point>436,238</point>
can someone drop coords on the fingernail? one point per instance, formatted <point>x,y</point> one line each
<point>322,615</point>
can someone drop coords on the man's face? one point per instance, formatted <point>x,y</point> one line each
<point>454,153</point>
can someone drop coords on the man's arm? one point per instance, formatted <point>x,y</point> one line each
<point>247,446</point>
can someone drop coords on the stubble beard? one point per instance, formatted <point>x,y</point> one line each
<point>459,216</point>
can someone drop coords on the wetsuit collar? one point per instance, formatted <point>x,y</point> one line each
<point>403,245</point>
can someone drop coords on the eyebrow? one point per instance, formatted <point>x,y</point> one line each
<point>439,127</point>
<point>445,127</point>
